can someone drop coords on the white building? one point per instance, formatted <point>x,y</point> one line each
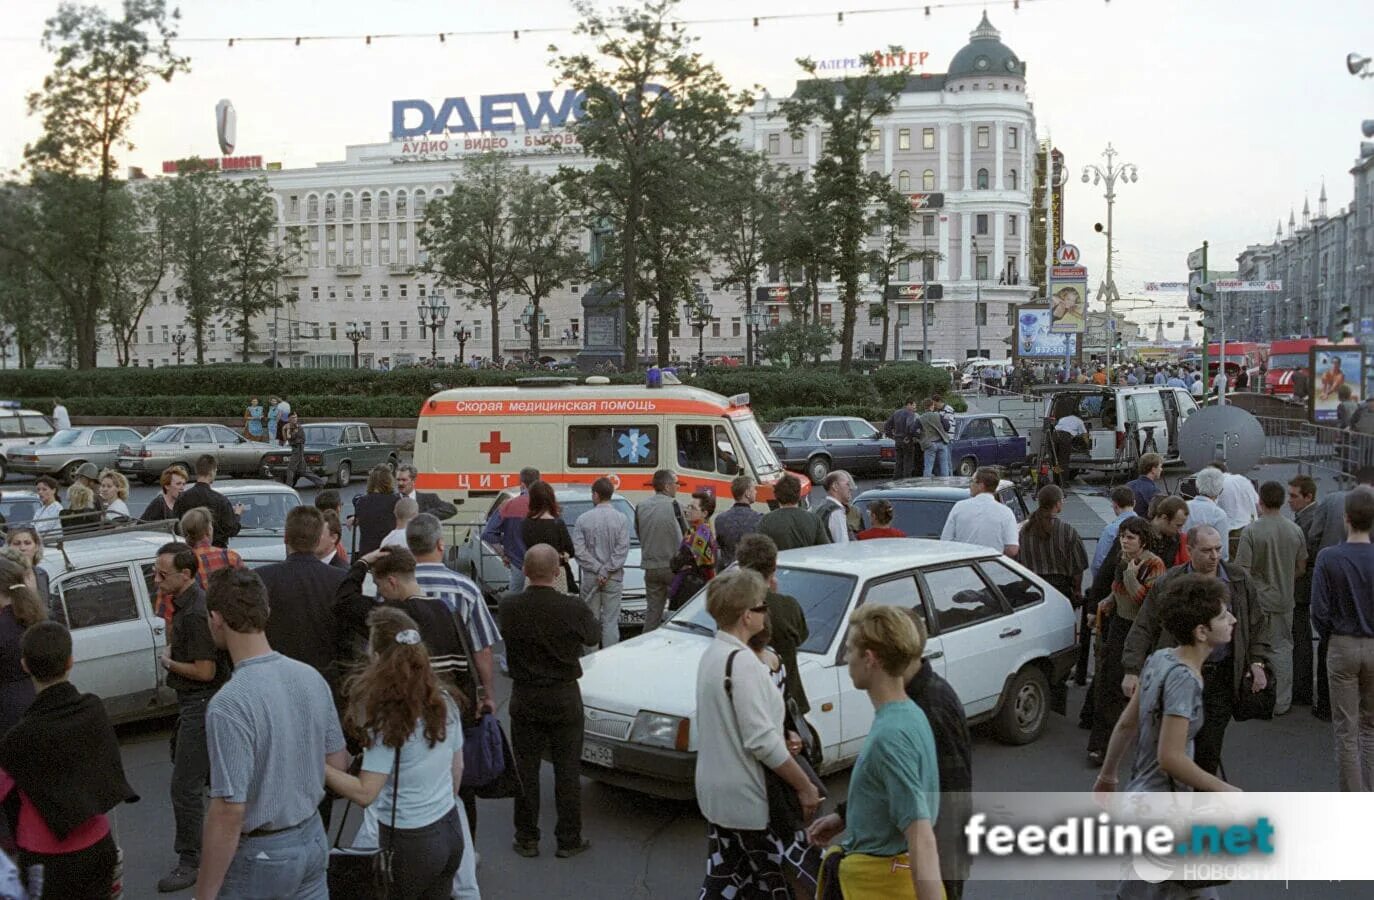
<point>968,134</point>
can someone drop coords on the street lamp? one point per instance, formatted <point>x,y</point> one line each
<point>433,315</point>
<point>178,340</point>
<point>700,318</point>
<point>356,335</point>
<point>532,321</point>
<point>462,335</point>
<point>1110,175</point>
<point>754,319</point>
<point>977,305</point>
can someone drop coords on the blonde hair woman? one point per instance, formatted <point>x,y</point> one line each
<point>114,493</point>
<point>81,511</point>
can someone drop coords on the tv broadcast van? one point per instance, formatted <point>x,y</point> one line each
<point>472,442</point>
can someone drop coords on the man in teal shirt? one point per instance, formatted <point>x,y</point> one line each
<point>894,791</point>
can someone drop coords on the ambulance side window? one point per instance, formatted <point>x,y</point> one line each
<point>613,446</point>
<point>695,448</point>
<point>727,460</point>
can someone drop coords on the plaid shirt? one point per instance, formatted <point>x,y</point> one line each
<point>211,559</point>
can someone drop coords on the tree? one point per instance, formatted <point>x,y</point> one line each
<point>892,221</point>
<point>200,246</point>
<point>747,210</point>
<point>652,105</point>
<point>87,104</point>
<point>255,261</point>
<point>793,342</point>
<point>845,190</point>
<point>141,258</point>
<point>25,308</point>
<point>470,235</point>
<point>546,236</point>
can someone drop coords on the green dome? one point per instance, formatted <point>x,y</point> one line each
<point>985,54</point>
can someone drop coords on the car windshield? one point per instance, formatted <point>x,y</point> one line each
<point>756,450</point>
<point>574,508</point>
<point>824,599</point>
<point>916,518</point>
<point>65,438</point>
<point>1288,361</point>
<point>17,509</point>
<point>163,435</point>
<point>791,430</point>
<point>323,434</point>
<point>265,512</point>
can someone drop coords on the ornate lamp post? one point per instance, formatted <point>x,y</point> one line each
<point>755,319</point>
<point>433,315</point>
<point>178,340</point>
<point>533,323</point>
<point>462,335</point>
<point>1110,175</point>
<point>700,318</point>
<point>355,334</point>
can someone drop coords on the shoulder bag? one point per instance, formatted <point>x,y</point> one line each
<point>785,814</point>
<point>488,762</point>
<point>364,874</point>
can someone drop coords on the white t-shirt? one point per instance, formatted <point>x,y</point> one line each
<point>982,520</point>
<point>1072,424</point>
<point>60,418</point>
<point>1239,499</point>
<point>1196,387</point>
<point>396,536</point>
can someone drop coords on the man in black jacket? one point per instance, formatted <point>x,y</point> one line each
<point>224,515</point>
<point>429,502</point>
<point>545,632</point>
<point>301,593</point>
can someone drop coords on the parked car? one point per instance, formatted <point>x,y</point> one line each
<point>336,450</point>
<point>481,561</point>
<point>263,520</point>
<point>20,427</point>
<point>1001,636</point>
<point>982,439</point>
<point>145,459</point>
<point>63,453</point>
<point>1123,423</point>
<point>18,506</point>
<point>102,589</point>
<point>817,445</point>
<point>920,506</point>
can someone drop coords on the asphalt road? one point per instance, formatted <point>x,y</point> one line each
<point>644,847</point>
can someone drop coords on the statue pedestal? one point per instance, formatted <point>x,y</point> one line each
<point>603,331</point>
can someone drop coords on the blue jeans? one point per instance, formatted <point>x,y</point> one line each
<point>289,864</point>
<point>517,578</point>
<point>937,451</point>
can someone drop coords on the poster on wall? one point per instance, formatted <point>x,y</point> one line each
<point>1068,299</point>
<point>1332,368</point>
<point>1034,339</point>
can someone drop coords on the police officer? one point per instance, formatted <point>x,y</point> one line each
<point>904,427</point>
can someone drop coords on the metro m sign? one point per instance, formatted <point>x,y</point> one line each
<point>926,201</point>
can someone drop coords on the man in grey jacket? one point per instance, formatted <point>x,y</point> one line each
<point>660,526</point>
<point>1224,671</point>
<point>601,541</point>
<point>935,442</point>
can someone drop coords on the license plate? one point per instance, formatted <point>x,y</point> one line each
<point>632,617</point>
<point>598,754</point>
<point>125,464</point>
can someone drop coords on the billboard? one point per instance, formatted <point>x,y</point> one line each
<point>1068,299</point>
<point>1332,367</point>
<point>912,292</point>
<point>1033,339</point>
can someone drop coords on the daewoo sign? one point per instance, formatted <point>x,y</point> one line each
<point>491,113</point>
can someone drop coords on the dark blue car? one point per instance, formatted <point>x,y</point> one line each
<point>817,445</point>
<point>986,439</point>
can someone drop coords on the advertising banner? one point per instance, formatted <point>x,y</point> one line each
<point>1068,299</point>
<point>1034,339</point>
<point>1332,367</point>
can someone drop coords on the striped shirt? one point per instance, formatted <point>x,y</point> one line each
<point>463,597</point>
<point>1059,554</point>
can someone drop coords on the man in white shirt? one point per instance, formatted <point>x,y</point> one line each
<point>834,509</point>
<point>1061,441</point>
<point>1204,510</point>
<point>981,519</point>
<point>1196,388</point>
<point>60,419</point>
<point>1238,498</point>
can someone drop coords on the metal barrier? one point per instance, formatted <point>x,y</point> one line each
<point>1326,448</point>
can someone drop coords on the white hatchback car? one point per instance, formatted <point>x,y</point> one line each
<point>1004,639</point>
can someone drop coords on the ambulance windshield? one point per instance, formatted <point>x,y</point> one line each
<point>755,446</point>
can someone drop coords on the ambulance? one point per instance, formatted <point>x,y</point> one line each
<point>472,442</point>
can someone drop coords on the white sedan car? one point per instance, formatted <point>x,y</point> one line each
<point>1004,639</point>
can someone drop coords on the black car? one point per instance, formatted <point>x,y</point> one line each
<point>920,506</point>
<point>818,445</point>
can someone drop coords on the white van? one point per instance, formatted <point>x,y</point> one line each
<point>472,442</point>
<point>1124,423</point>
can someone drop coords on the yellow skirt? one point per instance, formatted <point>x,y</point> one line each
<point>864,877</point>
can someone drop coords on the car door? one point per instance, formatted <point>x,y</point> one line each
<point>1009,447</point>
<point>196,440</point>
<point>369,450</point>
<point>113,638</point>
<point>973,625</point>
<point>353,449</point>
<point>37,429</point>
<point>975,442</point>
<point>836,441</point>
<point>234,452</point>
<point>856,709</point>
<point>868,446</point>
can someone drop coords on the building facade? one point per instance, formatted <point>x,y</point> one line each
<point>967,134</point>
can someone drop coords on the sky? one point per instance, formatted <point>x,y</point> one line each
<point>1233,110</point>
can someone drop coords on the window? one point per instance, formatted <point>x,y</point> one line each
<point>834,430</point>
<point>333,294</point>
<point>210,334</point>
<point>315,330</point>
<point>928,180</point>
<point>904,271</point>
<point>960,597</point>
<point>981,312</point>
<point>102,597</point>
<point>166,334</point>
<point>1011,138</point>
<point>367,292</point>
<point>402,292</point>
<point>826,312</point>
<point>386,331</point>
<point>1010,275</point>
<point>405,329</point>
<point>981,268</point>
<point>613,446</point>
<point>715,328</point>
<point>875,140</point>
<point>706,448</point>
<point>928,138</point>
<point>1011,225</point>
<point>150,334</point>
<point>927,226</point>
<point>735,328</point>
<point>904,182</point>
<point>928,268</point>
<point>333,331</point>
<point>977,428</point>
<point>980,223</point>
<point>1144,407</point>
<point>982,179</point>
<point>903,138</point>
<point>774,144</point>
<point>1001,426</point>
<point>1018,590</point>
<point>984,137</point>
<point>796,145</point>
<point>385,292</point>
<point>1011,180</point>
<point>314,292</point>
<point>900,592</point>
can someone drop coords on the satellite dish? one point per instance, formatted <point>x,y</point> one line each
<point>1226,433</point>
<point>226,126</point>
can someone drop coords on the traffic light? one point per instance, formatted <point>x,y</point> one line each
<point>1207,302</point>
<point>1344,332</point>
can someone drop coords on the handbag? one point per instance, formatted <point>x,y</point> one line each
<point>1256,705</point>
<point>785,814</point>
<point>483,759</point>
<point>364,874</point>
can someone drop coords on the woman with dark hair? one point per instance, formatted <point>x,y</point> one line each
<point>374,513</point>
<point>1051,547</point>
<point>20,607</point>
<point>543,524</point>
<point>880,513</point>
<point>412,763</point>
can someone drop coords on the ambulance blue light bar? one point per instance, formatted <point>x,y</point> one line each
<point>739,400</point>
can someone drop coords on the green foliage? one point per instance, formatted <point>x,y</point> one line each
<point>196,407</point>
<point>795,341</point>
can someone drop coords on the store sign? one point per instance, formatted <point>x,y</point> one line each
<point>886,60</point>
<point>914,291</point>
<point>1235,284</point>
<point>926,201</point>
<point>1057,198</point>
<point>428,148</point>
<point>781,293</point>
<point>1166,287</point>
<point>225,164</point>
<point>491,113</point>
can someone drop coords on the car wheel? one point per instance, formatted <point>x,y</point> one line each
<point>149,479</point>
<point>967,466</point>
<point>343,475</point>
<point>393,464</point>
<point>68,473</point>
<point>1025,707</point>
<point>817,468</point>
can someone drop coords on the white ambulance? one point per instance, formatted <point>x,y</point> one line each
<point>472,442</point>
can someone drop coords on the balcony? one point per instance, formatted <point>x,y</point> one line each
<point>401,268</point>
<point>295,271</point>
<point>348,269</point>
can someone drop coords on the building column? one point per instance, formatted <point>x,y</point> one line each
<point>887,151</point>
<point>998,140</point>
<point>942,226</point>
<point>998,259</point>
<point>942,177</point>
<point>968,155</point>
<point>813,141</point>
<point>966,247</point>
<point>1023,260</point>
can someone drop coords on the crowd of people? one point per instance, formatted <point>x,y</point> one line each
<point>1019,378</point>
